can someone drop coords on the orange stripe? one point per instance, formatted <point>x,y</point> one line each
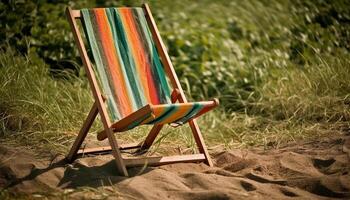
<point>179,113</point>
<point>113,63</point>
<point>143,65</point>
<point>156,111</point>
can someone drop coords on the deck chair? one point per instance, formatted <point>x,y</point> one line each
<point>129,78</point>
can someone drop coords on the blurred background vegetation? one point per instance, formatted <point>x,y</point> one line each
<point>280,68</point>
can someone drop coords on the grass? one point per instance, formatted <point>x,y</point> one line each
<point>46,113</point>
<point>36,108</point>
<point>277,73</point>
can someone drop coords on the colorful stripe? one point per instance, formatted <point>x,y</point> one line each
<point>129,70</point>
<point>128,67</point>
<point>172,113</point>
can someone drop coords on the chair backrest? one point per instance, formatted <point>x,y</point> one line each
<point>127,64</point>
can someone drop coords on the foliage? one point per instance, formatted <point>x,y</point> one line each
<point>280,68</point>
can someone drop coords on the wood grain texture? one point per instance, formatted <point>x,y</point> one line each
<point>96,92</point>
<point>96,150</point>
<point>82,133</point>
<point>155,161</point>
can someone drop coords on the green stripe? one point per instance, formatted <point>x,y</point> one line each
<point>129,69</point>
<point>165,115</point>
<point>113,97</point>
<point>157,67</point>
<point>131,97</point>
<point>138,122</point>
<point>197,107</point>
<point>101,71</point>
<point>129,66</point>
<point>163,91</point>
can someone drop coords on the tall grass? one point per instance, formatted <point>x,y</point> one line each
<point>43,112</point>
<point>317,93</point>
<point>280,74</point>
<point>36,109</point>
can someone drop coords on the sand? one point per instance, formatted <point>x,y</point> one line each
<point>305,170</point>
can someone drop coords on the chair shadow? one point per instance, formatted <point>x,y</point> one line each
<point>97,176</point>
<point>78,175</point>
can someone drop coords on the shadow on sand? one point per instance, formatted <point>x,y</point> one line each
<point>79,175</point>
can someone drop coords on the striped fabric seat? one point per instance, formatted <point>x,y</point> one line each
<point>129,70</point>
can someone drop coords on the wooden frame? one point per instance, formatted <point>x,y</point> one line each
<point>99,107</point>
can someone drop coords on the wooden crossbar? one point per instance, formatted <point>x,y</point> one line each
<point>97,150</point>
<point>163,160</point>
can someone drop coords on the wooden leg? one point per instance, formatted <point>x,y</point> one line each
<point>151,137</point>
<point>116,152</point>
<point>156,128</point>
<point>200,141</point>
<point>82,133</point>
